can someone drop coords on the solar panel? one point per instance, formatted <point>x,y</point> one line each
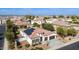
<point>29,31</point>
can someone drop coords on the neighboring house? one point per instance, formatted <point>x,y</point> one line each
<point>39,35</point>
<point>51,20</point>
<point>38,20</point>
<point>75,26</point>
<point>28,21</point>
<point>20,23</point>
<point>69,20</point>
<point>62,23</point>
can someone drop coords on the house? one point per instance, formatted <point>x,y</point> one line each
<point>68,20</point>
<point>39,35</point>
<point>61,23</point>
<point>51,20</point>
<point>75,26</point>
<point>29,22</point>
<point>38,20</point>
<point>20,23</point>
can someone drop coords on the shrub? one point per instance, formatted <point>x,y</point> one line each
<point>27,45</point>
<point>36,25</point>
<point>48,26</point>
<point>61,31</point>
<point>39,48</point>
<point>71,32</point>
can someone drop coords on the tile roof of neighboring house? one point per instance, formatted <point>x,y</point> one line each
<point>39,31</point>
<point>39,20</point>
<point>19,22</point>
<point>60,23</point>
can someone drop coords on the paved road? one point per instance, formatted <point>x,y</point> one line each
<point>74,46</point>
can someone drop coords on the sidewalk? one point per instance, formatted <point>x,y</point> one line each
<point>5,44</point>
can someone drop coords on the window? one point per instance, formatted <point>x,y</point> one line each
<point>52,37</point>
<point>37,40</point>
<point>33,41</point>
<point>40,39</point>
<point>46,38</point>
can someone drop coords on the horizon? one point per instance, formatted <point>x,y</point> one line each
<point>38,11</point>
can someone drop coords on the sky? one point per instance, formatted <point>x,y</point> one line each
<point>39,11</point>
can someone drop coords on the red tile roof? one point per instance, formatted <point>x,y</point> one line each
<point>19,22</point>
<point>39,31</point>
<point>60,23</point>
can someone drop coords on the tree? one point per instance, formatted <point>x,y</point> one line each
<point>10,38</point>
<point>75,21</point>
<point>9,24</point>
<point>61,31</point>
<point>73,17</point>
<point>71,32</point>
<point>48,26</point>
<point>46,18</point>
<point>77,17</point>
<point>10,34</point>
<point>61,16</point>
<point>54,17</point>
<point>68,17</point>
<point>29,17</point>
<point>36,25</point>
<point>15,30</point>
